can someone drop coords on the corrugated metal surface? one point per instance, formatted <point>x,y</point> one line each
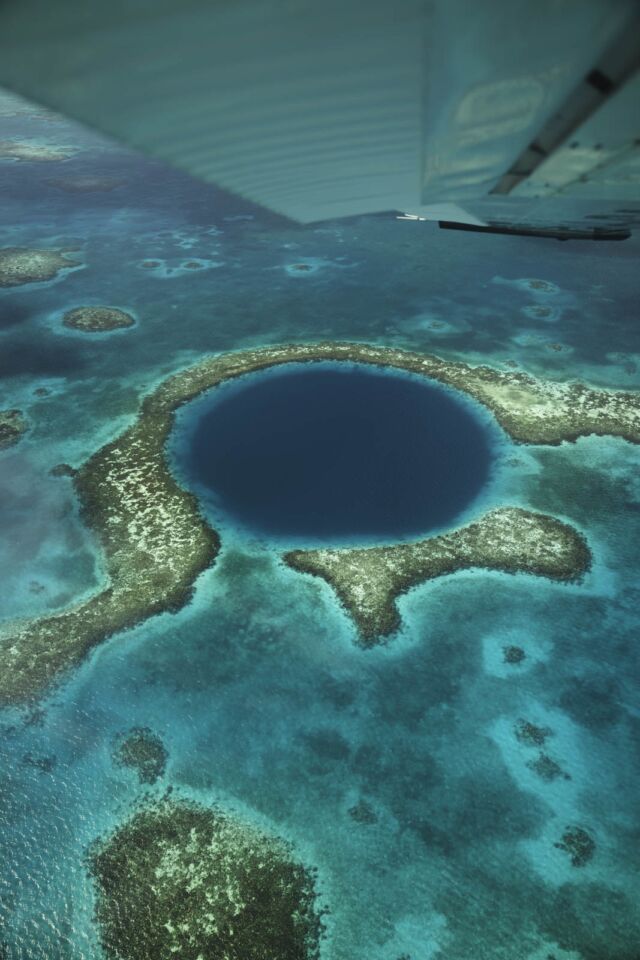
<point>317,110</point>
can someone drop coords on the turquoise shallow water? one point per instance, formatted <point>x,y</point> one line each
<point>262,697</point>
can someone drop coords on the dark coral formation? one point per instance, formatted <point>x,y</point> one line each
<point>142,750</point>
<point>19,265</point>
<point>369,580</point>
<point>547,768</point>
<point>578,844</point>
<point>42,764</point>
<point>97,319</point>
<point>363,812</point>
<point>12,426</point>
<point>63,470</point>
<point>513,655</point>
<point>181,880</point>
<point>35,717</point>
<point>156,542</point>
<point>530,734</point>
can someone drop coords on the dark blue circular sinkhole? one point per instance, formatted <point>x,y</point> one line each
<point>335,452</point>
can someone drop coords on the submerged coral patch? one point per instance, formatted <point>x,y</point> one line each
<point>513,655</point>
<point>141,750</point>
<point>31,150</point>
<point>547,768</point>
<point>13,425</point>
<point>531,734</point>
<point>541,286</point>
<point>578,844</point>
<point>182,880</point>
<point>306,267</point>
<point>86,184</point>
<point>170,269</point>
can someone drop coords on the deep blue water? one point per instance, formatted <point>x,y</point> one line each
<point>339,453</point>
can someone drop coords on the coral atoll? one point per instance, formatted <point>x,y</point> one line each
<point>182,880</point>
<point>97,319</point>
<point>368,580</point>
<point>142,750</point>
<point>19,265</point>
<point>156,542</point>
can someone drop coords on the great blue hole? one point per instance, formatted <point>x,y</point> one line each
<point>334,452</point>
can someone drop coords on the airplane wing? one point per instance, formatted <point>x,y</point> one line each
<point>499,113</point>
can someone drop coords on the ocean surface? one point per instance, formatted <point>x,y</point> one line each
<point>265,702</point>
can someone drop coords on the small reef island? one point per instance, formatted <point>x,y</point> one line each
<point>369,580</point>
<point>182,880</point>
<point>20,265</point>
<point>156,541</point>
<point>12,426</point>
<point>97,319</point>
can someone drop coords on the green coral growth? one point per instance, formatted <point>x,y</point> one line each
<point>181,880</point>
